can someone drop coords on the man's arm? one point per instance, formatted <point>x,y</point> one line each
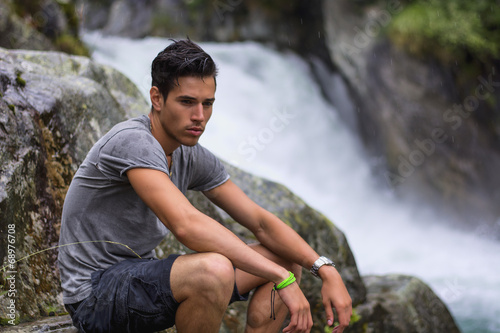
<point>194,229</point>
<point>203,234</point>
<point>285,242</point>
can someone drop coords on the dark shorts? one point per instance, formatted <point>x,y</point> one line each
<point>131,296</point>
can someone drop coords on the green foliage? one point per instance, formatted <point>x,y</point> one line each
<point>355,317</point>
<point>52,310</point>
<point>8,321</point>
<point>196,9</point>
<point>71,16</point>
<point>25,8</point>
<point>32,12</point>
<point>450,30</point>
<point>163,25</point>
<point>197,3</point>
<point>19,80</point>
<point>71,45</point>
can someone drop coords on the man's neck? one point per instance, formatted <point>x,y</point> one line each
<point>160,135</point>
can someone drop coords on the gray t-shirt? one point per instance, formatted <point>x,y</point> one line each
<point>102,205</point>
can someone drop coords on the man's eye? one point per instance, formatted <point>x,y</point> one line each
<point>208,103</point>
<point>187,101</point>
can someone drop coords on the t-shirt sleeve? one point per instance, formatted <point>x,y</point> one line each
<point>128,149</point>
<point>208,171</point>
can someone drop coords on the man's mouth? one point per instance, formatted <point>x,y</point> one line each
<point>195,130</point>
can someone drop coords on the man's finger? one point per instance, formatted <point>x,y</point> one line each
<point>329,314</point>
<point>345,317</point>
<point>291,326</point>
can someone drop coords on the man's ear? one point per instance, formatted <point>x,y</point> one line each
<point>156,98</point>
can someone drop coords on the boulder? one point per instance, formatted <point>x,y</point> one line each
<point>129,18</point>
<point>53,108</point>
<point>40,25</point>
<point>401,304</point>
<point>15,34</point>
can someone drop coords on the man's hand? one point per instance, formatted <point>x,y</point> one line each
<point>297,304</point>
<point>335,296</point>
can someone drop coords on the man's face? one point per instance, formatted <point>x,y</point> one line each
<point>187,109</point>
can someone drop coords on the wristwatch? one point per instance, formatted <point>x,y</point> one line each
<point>320,262</point>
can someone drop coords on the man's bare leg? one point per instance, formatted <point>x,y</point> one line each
<point>203,284</point>
<point>259,308</point>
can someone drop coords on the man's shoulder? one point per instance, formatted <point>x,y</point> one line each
<point>137,123</point>
<point>128,140</point>
<point>133,128</point>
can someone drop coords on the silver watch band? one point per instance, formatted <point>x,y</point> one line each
<point>320,262</point>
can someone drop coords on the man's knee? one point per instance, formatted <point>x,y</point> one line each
<point>203,276</point>
<point>217,270</point>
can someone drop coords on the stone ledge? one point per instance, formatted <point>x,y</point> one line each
<point>51,324</point>
<point>48,324</point>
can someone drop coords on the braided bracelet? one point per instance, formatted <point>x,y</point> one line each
<point>285,283</point>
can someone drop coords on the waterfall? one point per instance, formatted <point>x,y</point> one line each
<point>271,119</point>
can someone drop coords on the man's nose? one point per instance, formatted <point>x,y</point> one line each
<point>197,114</point>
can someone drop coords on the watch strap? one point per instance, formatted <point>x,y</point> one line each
<point>321,261</point>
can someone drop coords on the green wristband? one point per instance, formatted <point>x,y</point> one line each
<point>285,283</point>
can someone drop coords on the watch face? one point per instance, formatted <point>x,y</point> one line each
<point>320,262</point>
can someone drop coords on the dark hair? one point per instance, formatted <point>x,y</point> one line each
<point>181,58</point>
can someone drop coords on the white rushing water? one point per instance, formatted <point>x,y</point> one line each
<point>271,119</point>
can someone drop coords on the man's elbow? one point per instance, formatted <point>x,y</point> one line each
<point>181,234</point>
<point>184,228</point>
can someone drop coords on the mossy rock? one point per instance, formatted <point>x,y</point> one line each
<point>53,108</point>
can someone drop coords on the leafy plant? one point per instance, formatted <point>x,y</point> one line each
<point>450,30</point>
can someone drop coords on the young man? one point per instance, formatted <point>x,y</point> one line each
<point>128,193</point>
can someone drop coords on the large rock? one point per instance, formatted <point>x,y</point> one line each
<point>129,18</point>
<point>16,34</point>
<point>40,25</point>
<point>401,304</point>
<point>53,108</point>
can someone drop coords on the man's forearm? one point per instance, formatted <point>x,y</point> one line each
<point>269,230</point>
<point>204,234</point>
<point>284,241</point>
